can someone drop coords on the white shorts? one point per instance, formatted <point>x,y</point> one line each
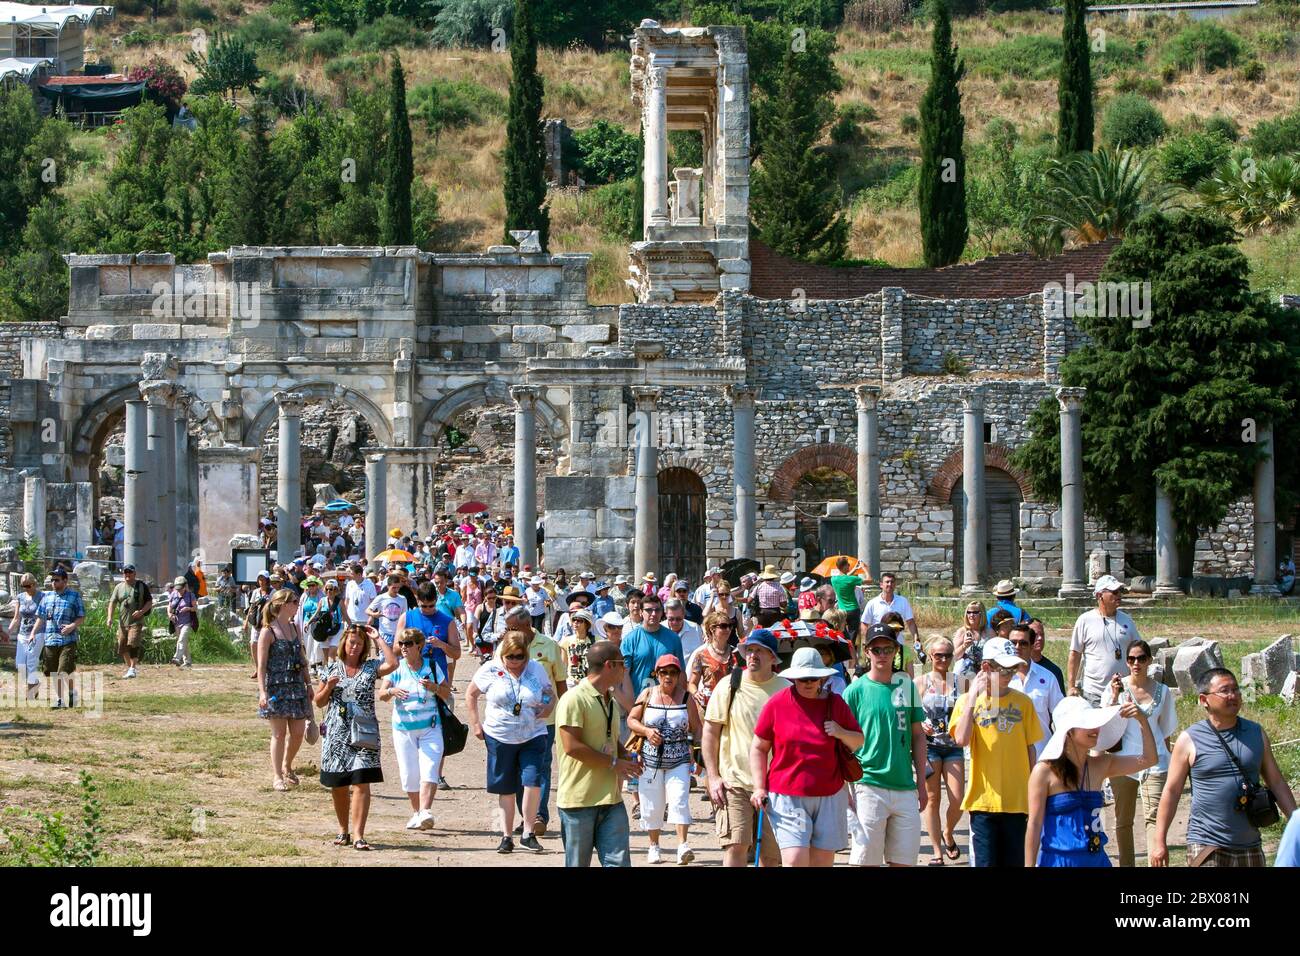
<point>890,822</point>
<point>665,792</point>
<point>817,822</point>
<point>27,656</point>
<point>419,756</point>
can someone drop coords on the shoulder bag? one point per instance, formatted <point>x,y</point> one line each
<point>1258,803</point>
<point>846,760</point>
<point>455,733</point>
<point>363,729</point>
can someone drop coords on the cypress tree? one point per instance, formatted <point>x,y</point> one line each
<point>525,172</point>
<point>795,200</point>
<point>395,227</point>
<point>941,192</point>
<point>257,184</point>
<point>1074,89</point>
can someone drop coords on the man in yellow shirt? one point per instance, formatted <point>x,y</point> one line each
<point>1001,727</point>
<point>592,815</point>
<point>556,664</point>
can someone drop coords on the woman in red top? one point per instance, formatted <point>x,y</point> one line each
<point>796,768</point>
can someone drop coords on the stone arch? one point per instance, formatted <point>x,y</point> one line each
<point>494,392</point>
<point>678,458</point>
<point>89,429</point>
<point>949,473</point>
<point>255,433</point>
<point>826,455</point>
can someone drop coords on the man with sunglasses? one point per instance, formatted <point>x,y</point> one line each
<point>1035,681</point>
<point>1098,641</point>
<point>1000,725</point>
<point>1214,752</point>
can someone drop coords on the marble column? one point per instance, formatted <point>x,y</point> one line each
<point>158,396</point>
<point>34,511</point>
<point>1074,573</point>
<point>288,487</point>
<point>138,495</point>
<point>656,145</point>
<point>868,397</point>
<point>525,399</point>
<point>972,480</point>
<point>645,548</point>
<point>745,532</point>
<point>1265,584</point>
<point>181,448</point>
<point>1166,547</point>
<point>376,504</point>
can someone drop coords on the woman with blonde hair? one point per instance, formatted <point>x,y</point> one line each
<point>968,642</point>
<point>723,602</point>
<point>284,683</point>
<point>938,693</point>
<point>28,641</point>
<point>666,592</point>
<point>415,688</point>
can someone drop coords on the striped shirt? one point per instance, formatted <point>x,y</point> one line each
<point>420,710</point>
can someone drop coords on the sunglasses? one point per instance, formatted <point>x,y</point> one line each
<point>1006,671</point>
<point>407,643</point>
<point>516,657</point>
<point>941,657</point>
<point>808,680</point>
<point>881,651</point>
<point>669,672</point>
<point>1139,659</point>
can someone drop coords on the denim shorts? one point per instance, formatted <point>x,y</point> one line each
<point>511,767</point>
<point>943,754</point>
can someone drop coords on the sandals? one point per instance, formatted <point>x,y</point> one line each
<point>291,778</point>
<point>361,845</point>
<point>343,839</point>
<point>936,861</point>
<point>280,785</point>
<point>953,851</point>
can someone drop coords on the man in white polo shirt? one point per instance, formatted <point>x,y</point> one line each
<point>887,601</point>
<point>1035,681</point>
<point>705,592</point>
<point>1100,638</point>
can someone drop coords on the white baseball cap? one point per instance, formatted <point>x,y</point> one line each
<point>535,579</point>
<point>612,619</point>
<point>1001,652</point>
<point>621,579</point>
<point>1108,582</point>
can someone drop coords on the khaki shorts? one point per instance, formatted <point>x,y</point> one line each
<point>60,660</point>
<point>128,638</point>
<point>737,822</point>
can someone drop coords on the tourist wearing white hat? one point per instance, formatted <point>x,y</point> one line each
<point>537,600</point>
<point>1065,797</point>
<point>182,611</point>
<point>1000,726</point>
<point>610,627</point>
<point>577,642</point>
<point>1098,641</point>
<point>795,763</point>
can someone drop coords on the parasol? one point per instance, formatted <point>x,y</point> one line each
<point>737,568</point>
<point>471,508</point>
<point>814,634</point>
<point>394,554</point>
<point>857,566</point>
<point>338,504</point>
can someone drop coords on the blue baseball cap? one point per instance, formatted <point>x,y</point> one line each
<point>761,637</point>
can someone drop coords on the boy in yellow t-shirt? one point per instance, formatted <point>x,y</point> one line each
<point>1001,727</point>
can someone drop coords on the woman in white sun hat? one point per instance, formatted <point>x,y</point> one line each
<point>796,765</point>
<point>1065,787</point>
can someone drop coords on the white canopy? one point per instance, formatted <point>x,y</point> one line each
<point>26,14</point>
<point>21,66</point>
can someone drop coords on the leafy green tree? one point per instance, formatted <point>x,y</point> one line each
<point>1074,89</point>
<point>36,156</point>
<point>1171,398</point>
<point>794,198</point>
<point>257,193</point>
<point>230,65</point>
<point>395,227</point>
<point>604,152</point>
<point>525,158</point>
<point>34,281</point>
<point>1257,195</point>
<point>941,189</point>
<point>1095,196</point>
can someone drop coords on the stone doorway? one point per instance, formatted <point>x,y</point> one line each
<point>817,532</point>
<point>682,498</point>
<point>1002,498</point>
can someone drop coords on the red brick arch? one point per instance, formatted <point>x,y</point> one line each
<point>949,473</point>
<point>840,457</point>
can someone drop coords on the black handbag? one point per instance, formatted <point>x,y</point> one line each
<point>1258,803</point>
<point>454,732</point>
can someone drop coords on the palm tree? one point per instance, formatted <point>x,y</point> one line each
<point>1095,196</point>
<point>1258,196</point>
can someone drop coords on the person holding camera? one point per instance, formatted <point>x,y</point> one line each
<point>349,753</point>
<point>415,688</point>
<point>1236,786</point>
<point>939,694</point>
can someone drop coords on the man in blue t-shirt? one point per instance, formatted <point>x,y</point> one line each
<point>443,635</point>
<point>647,642</point>
<point>449,599</point>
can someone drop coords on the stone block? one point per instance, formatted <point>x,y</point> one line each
<point>1157,644</point>
<point>149,331</point>
<point>1288,688</point>
<point>576,492</point>
<point>487,333</point>
<point>463,280</point>
<point>1165,663</point>
<point>586,333</point>
<point>1191,662</point>
<point>1276,662</point>
<point>570,523</point>
<point>533,334</point>
<point>615,524</point>
<point>620,493</point>
<point>111,333</point>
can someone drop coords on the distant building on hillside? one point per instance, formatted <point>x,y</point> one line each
<point>41,40</point>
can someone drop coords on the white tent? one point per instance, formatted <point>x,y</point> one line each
<point>20,68</point>
<point>58,34</point>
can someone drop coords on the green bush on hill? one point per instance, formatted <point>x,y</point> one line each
<point>1277,137</point>
<point>1205,46</point>
<point>453,104</point>
<point>1189,158</point>
<point>325,45</point>
<point>1131,120</point>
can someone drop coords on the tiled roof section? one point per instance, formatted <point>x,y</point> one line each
<point>773,276</point>
<point>108,80</point>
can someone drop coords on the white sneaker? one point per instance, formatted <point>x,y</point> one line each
<point>425,818</point>
<point>130,672</point>
<point>414,822</point>
<point>654,854</point>
<point>685,854</point>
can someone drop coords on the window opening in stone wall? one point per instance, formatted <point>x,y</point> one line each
<point>823,497</point>
<point>475,461</point>
<point>682,499</point>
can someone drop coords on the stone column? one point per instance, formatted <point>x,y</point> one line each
<point>288,493</point>
<point>745,532</point>
<point>867,397</point>
<point>1074,575</point>
<point>137,492</point>
<point>972,480</point>
<point>376,504</point>
<point>1265,583</point>
<point>227,499</point>
<point>1166,548</point>
<point>158,396</point>
<point>656,146</point>
<point>645,548</point>
<point>34,510</point>
<point>525,399</point>
<point>409,483</point>
<point>181,448</point>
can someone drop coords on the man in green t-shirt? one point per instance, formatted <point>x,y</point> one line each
<point>132,602</point>
<point>846,597</point>
<point>592,815</point>
<point>891,794</point>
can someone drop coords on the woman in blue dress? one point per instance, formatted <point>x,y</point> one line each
<point>1065,787</point>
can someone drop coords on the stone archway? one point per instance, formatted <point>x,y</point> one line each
<point>495,392</point>
<point>948,474</point>
<point>255,433</point>
<point>839,457</point>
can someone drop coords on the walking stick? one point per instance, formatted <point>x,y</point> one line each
<point>758,839</point>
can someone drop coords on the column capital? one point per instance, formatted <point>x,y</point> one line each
<point>972,399</point>
<point>656,74</point>
<point>645,397</point>
<point>1070,398</point>
<point>524,396</point>
<point>158,393</point>
<point>866,396</point>
<point>158,365</point>
<point>291,403</point>
<point>739,394</point>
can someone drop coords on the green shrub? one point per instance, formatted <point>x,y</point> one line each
<point>96,644</point>
<point>603,153</point>
<point>954,364</point>
<point>324,45</point>
<point>196,11</point>
<point>363,69</point>
<point>1276,137</point>
<point>1275,41</point>
<point>1131,81</point>
<point>286,94</point>
<point>143,38</point>
<point>1252,71</point>
<point>1261,196</point>
<point>56,843</point>
<point>909,124</point>
<point>1189,158</point>
<point>1205,46</point>
<point>1038,57</point>
<point>617,206</point>
<point>453,104</point>
<point>266,34</point>
<point>387,33</point>
<point>1131,120</point>
<point>1225,125</point>
<point>859,112</point>
<point>850,123</point>
<point>685,148</point>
